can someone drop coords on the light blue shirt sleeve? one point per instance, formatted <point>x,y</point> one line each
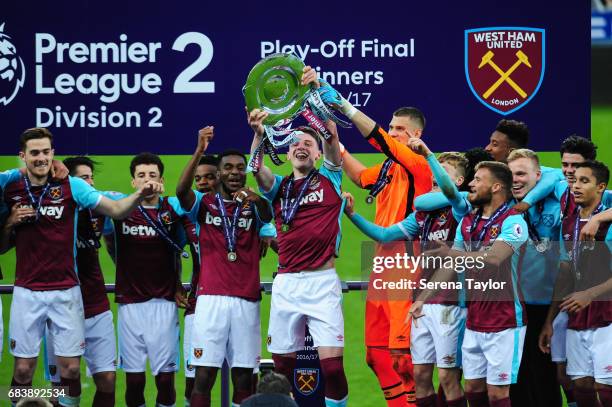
<point>192,213</point>
<point>406,229</point>
<point>514,231</point>
<point>84,194</point>
<point>109,226</point>
<point>271,194</point>
<point>432,201</point>
<point>267,230</point>
<point>460,204</point>
<point>560,189</point>
<point>114,195</point>
<point>545,186</point>
<point>459,243</point>
<point>9,176</point>
<point>332,173</point>
<point>176,205</point>
<point>444,181</point>
<point>607,199</point>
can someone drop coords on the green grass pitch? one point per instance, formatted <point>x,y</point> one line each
<point>364,389</point>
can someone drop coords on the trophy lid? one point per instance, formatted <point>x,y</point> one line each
<point>273,85</point>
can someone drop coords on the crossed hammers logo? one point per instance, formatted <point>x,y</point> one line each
<point>487,59</point>
<point>305,382</point>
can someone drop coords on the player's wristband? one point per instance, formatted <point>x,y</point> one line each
<point>348,109</point>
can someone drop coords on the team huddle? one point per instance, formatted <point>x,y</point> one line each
<point>545,233</point>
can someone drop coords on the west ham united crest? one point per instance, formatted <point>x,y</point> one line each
<point>504,66</point>
<point>306,380</point>
<point>56,192</point>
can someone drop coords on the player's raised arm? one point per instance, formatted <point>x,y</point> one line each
<point>264,177</point>
<point>446,184</point>
<point>331,146</point>
<point>352,167</point>
<point>123,207</point>
<point>184,192</point>
<point>406,229</point>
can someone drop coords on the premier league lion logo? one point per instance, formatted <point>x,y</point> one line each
<point>12,71</point>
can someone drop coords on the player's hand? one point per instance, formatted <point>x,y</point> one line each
<point>349,208</point>
<point>415,312</point>
<point>256,118</point>
<point>309,76</point>
<point>521,207</point>
<point>545,337</point>
<point>58,170</point>
<point>20,214</point>
<point>150,188</point>
<point>264,244</point>
<point>180,297</point>
<point>441,249</point>
<point>205,136</point>
<point>330,96</point>
<point>246,194</point>
<point>576,302</point>
<point>589,230</point>
<point>418,146</point>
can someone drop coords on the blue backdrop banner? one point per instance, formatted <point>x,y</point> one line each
<point>120,77</point>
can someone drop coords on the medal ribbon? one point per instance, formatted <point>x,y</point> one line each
<point>533,232</point>
<point>161,230</point>
<point>229,226</point>
<point>288,210</point>
<point>35,204</point>
<point>576,240</point>
<point>382,180</point>
<point>478,242</point>
<point>427,224</point>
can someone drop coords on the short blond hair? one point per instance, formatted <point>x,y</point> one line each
<point>524,153</point>
<point>457,160</point>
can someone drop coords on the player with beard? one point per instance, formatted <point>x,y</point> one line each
<point>436,338</point>
<point>8,218</point>
<point>205,180</point>
<point>583,291</point>
<point>495,318</point>
<point>226,323</point>
<point>46,284</point>
<point>306,291</point>
<point>148,246</point>
<point>100,349</point>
